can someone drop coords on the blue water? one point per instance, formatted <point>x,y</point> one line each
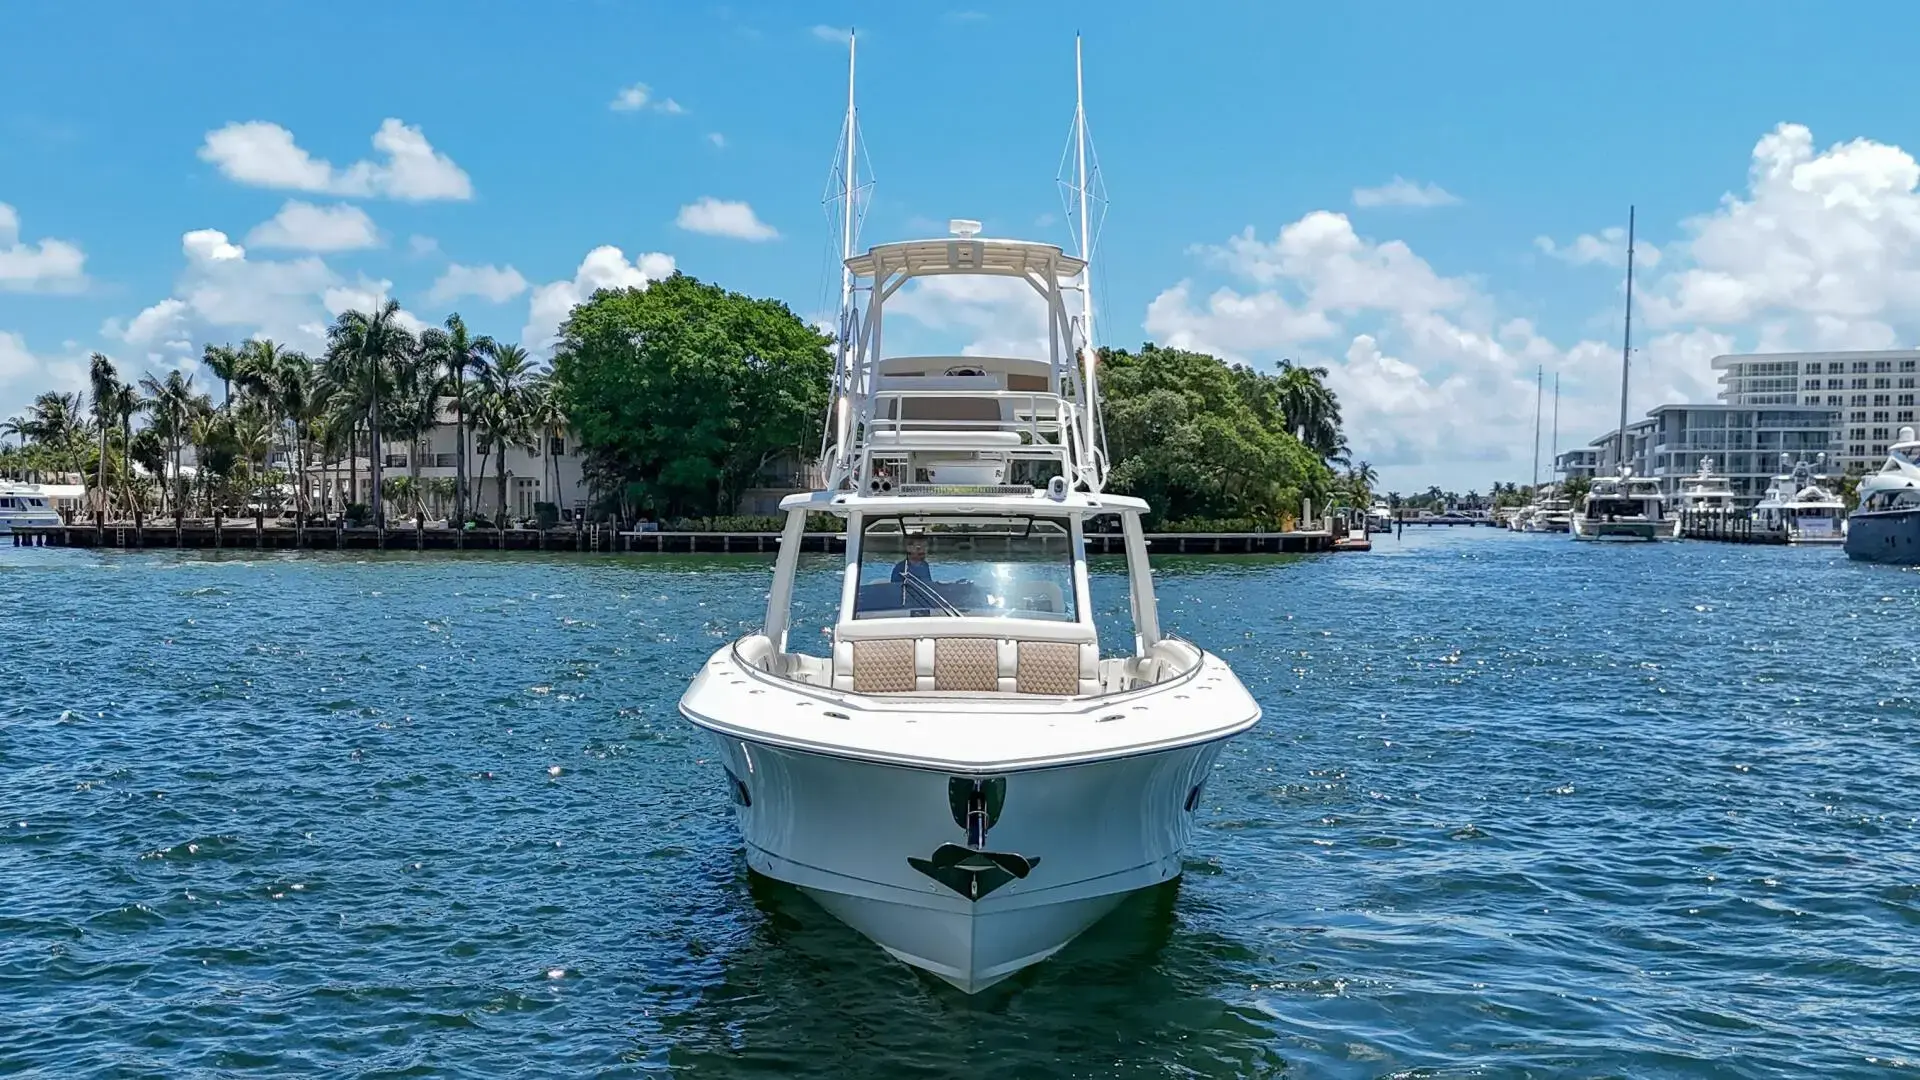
<point>1518,807</point>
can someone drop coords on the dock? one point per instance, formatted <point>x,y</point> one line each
<point>259,535</point>
<point>1695,525</point>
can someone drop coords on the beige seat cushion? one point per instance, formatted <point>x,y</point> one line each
<point>966,664</point>
<point>883,666</point>
<point>1047,667</point>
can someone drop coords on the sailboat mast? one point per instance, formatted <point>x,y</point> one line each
<point>1626,344</point>
<point>1539,373</point>
<point>1555,460</point>
<point>1089,363</point>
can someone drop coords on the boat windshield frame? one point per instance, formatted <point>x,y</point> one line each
<point>1037,575</point>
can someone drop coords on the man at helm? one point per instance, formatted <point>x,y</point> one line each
<point>916,561</point>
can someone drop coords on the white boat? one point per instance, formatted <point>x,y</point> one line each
<point>1379,517</point>
<point>24,504</point>
<point>1519,517</point>
<point>1624,507</point>
<point>1799,505</point>
<point>1707,495</point>
<point>1551,512</point>
<point>1885,527</point>
<point>959,775</point>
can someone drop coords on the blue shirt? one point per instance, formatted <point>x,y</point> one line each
<point>922,570</point>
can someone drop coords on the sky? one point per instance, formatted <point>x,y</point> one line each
<point>1427,200</point>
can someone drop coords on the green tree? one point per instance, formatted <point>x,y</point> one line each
<point>459,353</point>
<point>369,344</point>
<point>682,394</point>
<point>173,403</point>
<point>106,384</point>
<point>505,410</point>
<point>225,362</point>
<point>1198,439</point>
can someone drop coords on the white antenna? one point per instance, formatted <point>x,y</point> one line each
<point>845,188</point>
<point>1092,429</point>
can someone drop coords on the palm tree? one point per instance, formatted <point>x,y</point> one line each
<point>224,361</point>
<point>371,343</point>
<point>172,401</point>
<point>543,412</point>
<point>415,410</point>
<point>126,402</point>
<point>1312,411</point>
<point>106,383</point>
<point>459,353</point>
<point>507,417</point>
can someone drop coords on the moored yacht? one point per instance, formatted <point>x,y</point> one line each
<point>1885,527</point>
<point>1551,512</point>
<point>1379,517</point>
<point>961,775</point>
<point>1624,507</point>
<point>24,505</point>
<point>1706,496</point>
<point>1799,505</point>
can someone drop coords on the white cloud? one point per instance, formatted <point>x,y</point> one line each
<point>25,375</point>
<point>1824,245</point>
<point>833,34</point>
<point>972,316</point>
<point>264,154</point>
<point>367,295</point>
<point>1403,192</point>
<point>630,99</point>
<point>1433,384</point>
<point>639,96</point>
<point>718,140</point>
<point>605,267</point>
<point>48,266</point>
<point>420,246</point>
<point>225,295</point>
<point>717,217</point>
<point>494,284</point>
<point>1340,270</point>
<point>1608,248</point>
<point>301,226</point>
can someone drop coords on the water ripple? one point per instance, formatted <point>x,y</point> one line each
<point>1519,807</point>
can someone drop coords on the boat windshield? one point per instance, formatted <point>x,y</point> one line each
<point>1000,567</point>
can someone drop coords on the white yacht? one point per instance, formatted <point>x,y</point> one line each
<point>960,774</point>
<point>1379,517</point>
<point>1885,527</point>
<point>1707,496</point>
<point>1551,512</point>
<point>24,504</point>
<point>1624,507</point>
<point>1799,505</point>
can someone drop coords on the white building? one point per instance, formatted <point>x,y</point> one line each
<point>1580,461</point>
<point>1744,442</point>
<point>1870,393</point>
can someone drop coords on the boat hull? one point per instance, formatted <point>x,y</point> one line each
<point>888,849</point>
<point>1884,536</point>
<point>1625,531</point>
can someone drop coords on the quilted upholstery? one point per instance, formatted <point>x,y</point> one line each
<point>966,664</point>
<point>1048,667</point>
<point>883,666</point>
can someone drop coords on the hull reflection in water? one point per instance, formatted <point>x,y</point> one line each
<point>971,879</point>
